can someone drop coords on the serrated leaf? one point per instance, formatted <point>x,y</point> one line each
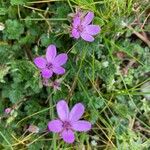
<point>122,110</point>
<point>13,29</point>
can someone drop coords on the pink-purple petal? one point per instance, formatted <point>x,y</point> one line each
<point>60,59</point>
<point>46,73</point>
<point>81,126</point>
<point>87,37</point>
<point>76,22</point>
<point>68,136</point>
<point>51,53</point>
<point>58,70</point>
<point>88,19</point>
<point>40,62</point>
<point>92,29</point>
<point>76,112</point>
<point>55,126</point>
<point>75,33</point>
<point>62,110</point>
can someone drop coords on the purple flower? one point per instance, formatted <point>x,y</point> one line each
<point>8,110</point>
<point>33,129</point>
<point>56,84</point>
<point>69,122</point>
<point>52,63</point>
<point>45,82</point>
<point>81,27</point>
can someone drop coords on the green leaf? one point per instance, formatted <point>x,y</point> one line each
<point>62,11</point>
<point>3,71</point>
<point>16,93</point>
<point>13,30</point>
<point>122,110</point>
<point>5,53</point>
<point>3,11</point>
<point>107,71</point>
<point>18,2</point>
<point>99,21</point>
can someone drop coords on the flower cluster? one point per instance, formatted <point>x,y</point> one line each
<point>81,27</point>
<point>51,64</point>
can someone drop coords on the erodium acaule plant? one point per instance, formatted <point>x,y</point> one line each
<point>52,63</point>
<point>68,122</point>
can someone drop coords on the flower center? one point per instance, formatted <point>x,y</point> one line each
<point>56,84</point>
<point>66,125</point>
<point>49,66</point>
<point>80,28</point>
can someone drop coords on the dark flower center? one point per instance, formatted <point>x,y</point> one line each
<point>49,66</point>
<point>80,28</point>
<point>55,83</point>
<point>66,125</point>
<point>45,82</point>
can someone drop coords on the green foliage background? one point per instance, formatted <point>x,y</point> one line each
<point>95,74</point>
